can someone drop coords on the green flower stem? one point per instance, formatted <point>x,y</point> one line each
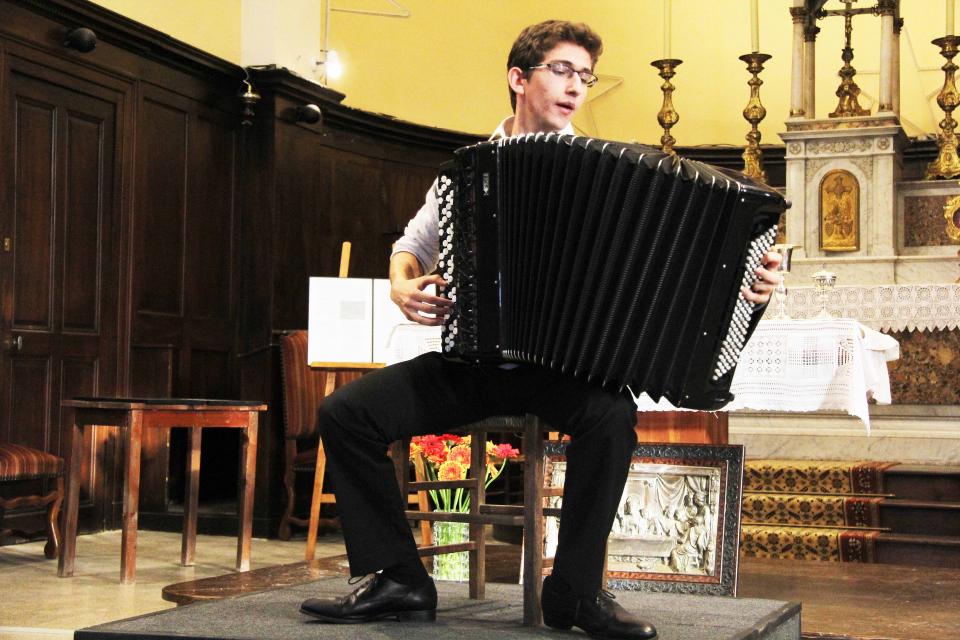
<point>458,501</point>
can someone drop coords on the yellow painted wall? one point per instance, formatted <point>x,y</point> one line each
<point>211,25</point>
<point>445,65</point>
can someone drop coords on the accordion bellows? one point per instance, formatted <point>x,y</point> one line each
<point>618,264</point>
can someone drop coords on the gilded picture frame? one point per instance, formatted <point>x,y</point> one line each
<point>677,528</point>
<point>951,212</point>
<point>839,211</point>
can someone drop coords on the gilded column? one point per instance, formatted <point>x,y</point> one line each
<point>799,15</point>
<point>887,9</point>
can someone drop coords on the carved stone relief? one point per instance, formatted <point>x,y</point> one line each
<point>865,165</point>
<point>854,145</point>
<point>814,166</point>
<point>833,125</point>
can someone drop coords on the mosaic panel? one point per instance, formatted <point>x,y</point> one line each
<point>928,368</point>
<point>923,221</point>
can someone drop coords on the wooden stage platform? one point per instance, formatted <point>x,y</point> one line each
<point>841,601</point>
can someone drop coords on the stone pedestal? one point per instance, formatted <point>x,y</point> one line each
<point>927,252</point>
<point>869,148</point>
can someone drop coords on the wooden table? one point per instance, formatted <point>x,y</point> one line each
<point>133,416</point>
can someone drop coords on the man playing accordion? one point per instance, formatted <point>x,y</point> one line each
<point>549,70</point>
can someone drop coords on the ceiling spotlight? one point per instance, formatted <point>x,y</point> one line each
<point>334,68</point>
<point>82,39</point>
<point>328,65</point>
<point>308,113</point>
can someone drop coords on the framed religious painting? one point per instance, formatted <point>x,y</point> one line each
<point>839,211</point>
<point>677,527</point>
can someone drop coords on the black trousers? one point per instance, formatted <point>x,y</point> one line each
<point>431,394</point>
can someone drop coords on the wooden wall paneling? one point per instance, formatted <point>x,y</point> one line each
<point>300,249</point>
<point>159,208</point>
<point>184,229</point>
<point>257,371</point>
<point>28,401</point>
<point>62,138</point>
<point>187,297</point>
<point>406,187</point>
<point>212,263</point>
<point>195,315</point>
<point>211,257</point>
<point>356,213</point>
<point>255,207</point>
<point>327,195</point>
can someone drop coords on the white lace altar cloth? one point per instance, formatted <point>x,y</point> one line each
<point>889,307</point>
<point>809,365</point>
<point>812,365</point>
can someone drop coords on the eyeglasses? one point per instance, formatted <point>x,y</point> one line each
<point>564,70</point>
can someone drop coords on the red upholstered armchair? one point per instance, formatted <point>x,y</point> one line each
<point>18,464</point>
<point>303,391</point>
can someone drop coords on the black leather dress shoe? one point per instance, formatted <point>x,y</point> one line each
<point>378,598</point>
<point>600,616</point>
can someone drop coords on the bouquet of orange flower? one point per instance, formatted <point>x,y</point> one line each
<point>447,457</point>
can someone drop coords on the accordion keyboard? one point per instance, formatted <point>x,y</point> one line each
<point>739,328</point>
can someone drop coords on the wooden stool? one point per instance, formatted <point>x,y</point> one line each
<point>19,463</point>
<point>529,515</point>
<point>133,415</point>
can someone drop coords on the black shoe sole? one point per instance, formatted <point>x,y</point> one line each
<point>424,615</point>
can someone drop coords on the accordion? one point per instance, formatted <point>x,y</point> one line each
<point>614,263</point>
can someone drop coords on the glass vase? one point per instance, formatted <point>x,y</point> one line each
<point>451,566</point>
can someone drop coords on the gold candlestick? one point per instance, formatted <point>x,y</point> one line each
<point>753,113</point>
<point>667,116</point>
<point>947,164</point>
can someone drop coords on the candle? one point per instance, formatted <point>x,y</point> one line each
<point>755,27</point>
<point>666,29</point>
<point>950,17</point>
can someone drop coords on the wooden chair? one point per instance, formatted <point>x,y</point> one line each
<point>530,515</point>
<point>19,463</point>
<point>303,392</point>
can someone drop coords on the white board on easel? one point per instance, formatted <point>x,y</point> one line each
<point>353,321</point>
<point>340,320</point>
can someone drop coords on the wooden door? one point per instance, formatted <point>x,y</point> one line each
<point>59,225</point>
